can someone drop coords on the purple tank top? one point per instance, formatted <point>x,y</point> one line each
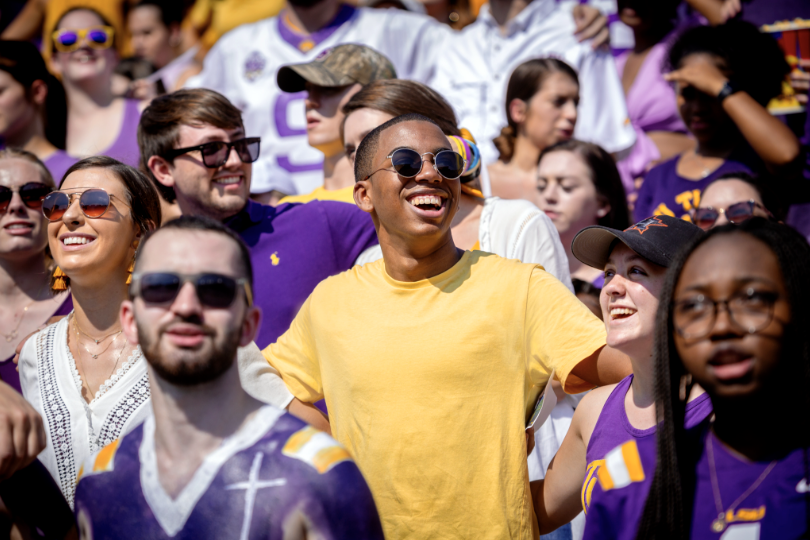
<point>125,148</point>
<point>613,428</point>
<point>8,369</point>
<point>58,163</point>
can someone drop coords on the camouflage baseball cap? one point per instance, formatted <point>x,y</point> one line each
<point>339,66</point>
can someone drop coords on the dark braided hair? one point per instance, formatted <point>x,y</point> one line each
<point>668,511</point>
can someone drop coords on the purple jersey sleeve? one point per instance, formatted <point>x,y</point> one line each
<point>352,231</point>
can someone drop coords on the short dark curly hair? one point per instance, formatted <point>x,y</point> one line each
<point>754,60</point>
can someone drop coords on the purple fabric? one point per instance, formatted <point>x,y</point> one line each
<point>761,12</point>
<point>58,163</point>
<point>778,504</point>
<point>599,282</point>
<point>8,369</point>
<point>125,147</point>
<point>613,427</point>
<point>664,191</point>
<point>293,248</point>
<point>312,40</point>
<point>336,504</point>
<point>651,106</point>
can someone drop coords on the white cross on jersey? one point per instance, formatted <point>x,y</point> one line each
<point>243,66</point>
<point>253,485</point>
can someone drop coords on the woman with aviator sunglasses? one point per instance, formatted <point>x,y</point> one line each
<point>732,198</point>
<point>98,123</point>
<point>25,269</point>
<point>92,379</point>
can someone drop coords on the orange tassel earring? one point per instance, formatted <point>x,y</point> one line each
<point>59,280</point>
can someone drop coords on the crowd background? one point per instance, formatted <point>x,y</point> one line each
<point>569,115</point>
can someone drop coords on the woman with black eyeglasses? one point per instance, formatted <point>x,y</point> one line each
<point>25,299</point>
<point>81,374</point>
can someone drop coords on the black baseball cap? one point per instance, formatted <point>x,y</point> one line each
<point>658,239</point>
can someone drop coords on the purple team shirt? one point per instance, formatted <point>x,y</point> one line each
<point>613,428</point>
<point>294,247</point>
<point>58,163</point>
<point>260,492</point>
<point>777,508</point>
<point>665,192</point>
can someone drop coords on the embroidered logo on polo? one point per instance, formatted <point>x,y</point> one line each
<point>644,225</point>
<point>274,260</point>
<point>254,66</point>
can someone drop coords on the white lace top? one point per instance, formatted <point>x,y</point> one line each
<point>76,429</point>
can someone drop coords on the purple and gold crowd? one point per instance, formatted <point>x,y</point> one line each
<point>405,269</point>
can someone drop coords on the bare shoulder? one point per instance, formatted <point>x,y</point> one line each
<point>589,409</point>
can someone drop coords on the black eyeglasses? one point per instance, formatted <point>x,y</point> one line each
<point>213,290</point>
<point>31,194</point>
<point>706,217</point>
<point>408,163</point>
<point>215,154</point>
<point>751,310</point>
<point>94,203</point>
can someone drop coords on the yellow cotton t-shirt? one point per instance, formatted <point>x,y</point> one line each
<point>429,385</point>
<point>320,194</point>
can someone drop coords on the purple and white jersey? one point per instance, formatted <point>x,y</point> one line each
<point>776,508</point>
<point>272,479</point>
<point>244,62</point>
<point>613,428</point>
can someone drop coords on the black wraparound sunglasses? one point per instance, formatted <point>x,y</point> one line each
<point>215,154</point>
<point>213,290</point>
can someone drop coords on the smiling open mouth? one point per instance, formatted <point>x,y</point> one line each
<point>621,313</point>
<point>428,202</point>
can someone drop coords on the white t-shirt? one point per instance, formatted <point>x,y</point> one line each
<point>244,62</point>
<point>478,62</point>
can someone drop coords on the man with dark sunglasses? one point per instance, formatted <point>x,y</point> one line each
<point>211,461</point>
<point>194,147</point>
<point>430,359</point>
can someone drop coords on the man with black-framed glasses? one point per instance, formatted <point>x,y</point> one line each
<point>210,460</point>
<point>194,146</point>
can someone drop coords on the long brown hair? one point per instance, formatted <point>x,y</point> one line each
<point>527,79</point>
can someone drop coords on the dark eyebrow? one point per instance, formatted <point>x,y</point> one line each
<point>745,280</point>
<point>217,138</point>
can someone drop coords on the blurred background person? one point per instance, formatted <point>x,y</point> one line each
<point>541,110</point>
<point>26,301</point>
<point>724,77</point>
<point>734,198</point>
<point>330,82</point>
<point>33,110</point>
<point>92,379</point>
<point>85,58</point>
<point>588,294</point>
<point>578,185</point>
<point>651,105</point>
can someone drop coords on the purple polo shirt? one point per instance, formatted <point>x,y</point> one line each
<point>294,247</point>
<point>775,509</point>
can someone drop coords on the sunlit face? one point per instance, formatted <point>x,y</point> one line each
<point>85,63</point>
<point>110,239</point>
<point>629,301</point>
<point>551,114</point>
<point>23,230</point>
<point>323,107</point>
<point>217,193</point>
<point>16,111</point>
<point>185,341</point>
<point>729,361</point>
<point>359,124</point>
<point>567,193</point>
<point>151,39</point>
<point>724,193</point>
<point>393,198</point>
<point>703,114</point>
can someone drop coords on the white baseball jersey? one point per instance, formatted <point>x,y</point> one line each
<point>243,66</point>
<point>479,60</point>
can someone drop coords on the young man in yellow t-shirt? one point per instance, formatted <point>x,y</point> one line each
<point>431,358</point>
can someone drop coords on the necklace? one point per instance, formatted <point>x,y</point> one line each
<point>14,333</point>
<point>79,341</point>
<point>706,170</point>
<point>722,521</point>
<point>78,329</point>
